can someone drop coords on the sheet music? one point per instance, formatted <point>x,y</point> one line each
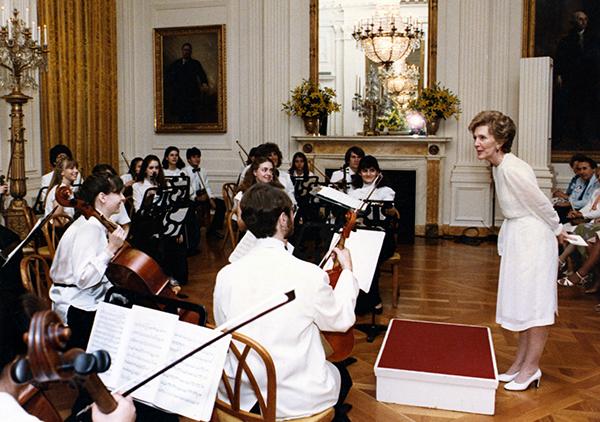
<point>147,344</point>
<point>338,197</point>
<point>245,245</point>
<point>142,341</point>
<point>107,335</point>
<point>364,247</point>
<point>191,386</point>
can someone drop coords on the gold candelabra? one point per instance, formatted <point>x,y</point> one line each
<point>22,53</point>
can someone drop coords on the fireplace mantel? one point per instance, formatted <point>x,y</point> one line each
<point>392,152</point>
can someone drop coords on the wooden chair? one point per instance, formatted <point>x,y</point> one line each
<point>228,192</point>
<point>241,347</point>
<point>231,233</point>
<point>393,263</point>
<point>35,275</point>
<point>52,231</point>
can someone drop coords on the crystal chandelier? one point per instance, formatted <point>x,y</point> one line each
<point>383,42</point>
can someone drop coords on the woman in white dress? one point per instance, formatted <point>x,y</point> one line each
<point>527,244</point>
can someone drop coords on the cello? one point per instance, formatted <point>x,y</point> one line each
<point>47,362</point>
<point>343,343</point>
<point>129,268</point>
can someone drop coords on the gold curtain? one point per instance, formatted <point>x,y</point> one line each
<point>79,90</point>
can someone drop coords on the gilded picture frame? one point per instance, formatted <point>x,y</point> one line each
<point>551,28</point>
<point>190,94</point>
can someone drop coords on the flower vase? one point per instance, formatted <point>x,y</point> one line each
<point>433,125</point>
<point>311,125</point>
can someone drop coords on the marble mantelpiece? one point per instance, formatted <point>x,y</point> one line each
<point>423,154</point>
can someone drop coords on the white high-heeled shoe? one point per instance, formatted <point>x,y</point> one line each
<point>516,386</point>
<point>507,377</point>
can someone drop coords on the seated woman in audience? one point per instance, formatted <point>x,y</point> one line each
<point>82,256</point>
<point>130,177</point>
<point>65,174</point>
<point>362,184</point>
<point>573,163</point>
<point>172,163</point>
<point>351,161</point>
<point>299,167</point>
<point>261,171</point>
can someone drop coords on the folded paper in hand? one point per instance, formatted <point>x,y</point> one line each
<point>576,240</point>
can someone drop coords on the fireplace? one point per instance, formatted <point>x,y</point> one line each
<point>418,163</point>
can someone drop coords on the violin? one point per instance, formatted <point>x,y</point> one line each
<point>129,268</point>
<point>47,361</point>
<point>341,343</point>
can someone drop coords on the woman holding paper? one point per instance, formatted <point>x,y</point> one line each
<point>527,244</point>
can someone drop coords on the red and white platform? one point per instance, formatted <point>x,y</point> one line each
<point>437,365</point>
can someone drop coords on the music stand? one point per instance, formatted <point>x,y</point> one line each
<point>374,219</point>
<point>116,294</point>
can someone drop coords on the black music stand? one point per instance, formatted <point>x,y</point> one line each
<point>374,219</point>
<point>127,298</point>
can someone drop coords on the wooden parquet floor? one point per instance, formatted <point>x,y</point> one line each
<point>450,282</point>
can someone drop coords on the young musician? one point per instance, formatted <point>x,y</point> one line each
<point>82,256</point>
<point>121,218</point>
<point>168,252</point>
<point>135,167</point>
<point>151,176</point>
<point>200,190</point>
<point>172,163</point>
<point>55,152</point>
<point>65,174</point>
<point>272,152</point>
<point>306,382</point>
<point>299,167</point>
<point>362,184</point>
<point>261,171</point>
<point>351,161</point>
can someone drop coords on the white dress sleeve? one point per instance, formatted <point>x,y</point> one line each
<point>523,184</point>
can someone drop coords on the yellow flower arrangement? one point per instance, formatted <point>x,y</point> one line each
<point>309,100</point>
<point>436,102</point>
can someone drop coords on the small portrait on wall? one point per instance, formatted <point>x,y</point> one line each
<point>189,88</point>
<point>569,32</point>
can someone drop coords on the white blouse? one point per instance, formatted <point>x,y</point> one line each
<point>139,189</point>
<point>80,262</point>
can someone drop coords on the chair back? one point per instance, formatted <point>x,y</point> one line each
<point>241,347</point>
<point>228,192</point>
<point>35,275</point>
